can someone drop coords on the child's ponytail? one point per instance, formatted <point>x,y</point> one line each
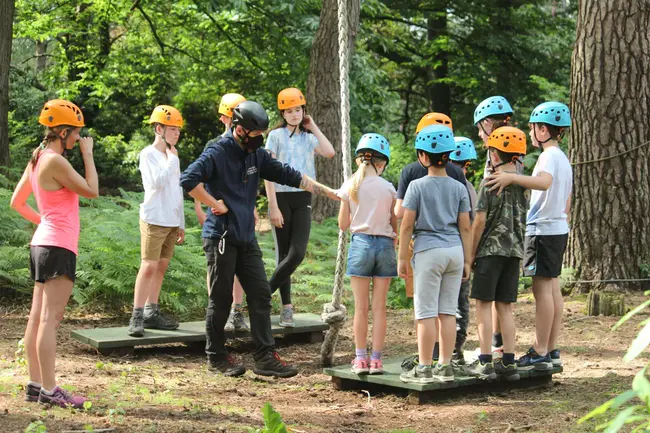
<point>358,177</point>
<point>50,134</point>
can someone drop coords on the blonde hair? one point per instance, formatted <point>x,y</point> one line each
<point>360,174</point>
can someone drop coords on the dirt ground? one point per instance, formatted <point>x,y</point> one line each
<point>167,389</point>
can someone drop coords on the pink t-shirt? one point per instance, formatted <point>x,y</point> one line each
<point>371,216</point>
<point>59,211</point>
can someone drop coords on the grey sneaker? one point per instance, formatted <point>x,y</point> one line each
<point>481,371</point>
<point>508,372</point>
<point>417,375</point>
<point>286,318</point>
<point>443,373</point>
<point>136,326</point>
<point>159,321</point>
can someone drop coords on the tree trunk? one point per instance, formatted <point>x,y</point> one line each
<point>41,59</point>
<point>438,90</point>
<point>323,96</point>
<point>6,34</point>
<point>610,103</point>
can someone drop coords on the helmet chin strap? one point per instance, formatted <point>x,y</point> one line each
<point>540,142</point>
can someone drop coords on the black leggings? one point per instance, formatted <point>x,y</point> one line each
<point>291,240</point>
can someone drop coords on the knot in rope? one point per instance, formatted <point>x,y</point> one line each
<point>333,315</point>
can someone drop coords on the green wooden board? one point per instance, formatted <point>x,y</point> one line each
<point>188,332</point>
<point>392,370</point>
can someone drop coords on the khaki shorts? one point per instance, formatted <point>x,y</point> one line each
<point>157,242</point>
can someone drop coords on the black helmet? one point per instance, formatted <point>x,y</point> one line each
<point>251,116</point>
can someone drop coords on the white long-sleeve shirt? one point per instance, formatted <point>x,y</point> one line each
<point>163,195</point>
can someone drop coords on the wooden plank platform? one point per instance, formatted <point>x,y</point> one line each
<point>309,329</point>
<point>389,382</point>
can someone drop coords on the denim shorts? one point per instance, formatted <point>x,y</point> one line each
<point>371,256</point>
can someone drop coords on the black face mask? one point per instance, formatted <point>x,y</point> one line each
<point>251,143</point>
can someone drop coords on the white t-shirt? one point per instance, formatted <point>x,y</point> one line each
<point>163,195</point>
<point>371,216</point>
<point>547,212</point>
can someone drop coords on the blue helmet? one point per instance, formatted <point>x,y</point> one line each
<point>435,139</point>
<point>491,106</point>
<point>552,113</point>
<point>464,150</point>
<point>375,142</point>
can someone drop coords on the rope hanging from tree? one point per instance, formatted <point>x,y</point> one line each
<point>334,313</point>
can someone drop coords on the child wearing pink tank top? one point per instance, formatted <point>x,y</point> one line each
<point>59,211</point>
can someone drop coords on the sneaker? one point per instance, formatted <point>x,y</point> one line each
<point>286,317</point>
<point>555,357</point>
<point>418,375</point>
<point>360,366</point>
<point>32,392</point>
<point>508,372</point>
<point>136,326</point>
<point>410,363</point>
<point>236,321</point>
<point>270,364</point>
<point>226,367</point>
<point>62,398</point>
<point>534,361</point>
<point>443,373</point>
<point>481,371</point>
<point>376,366</point>
<point>458,358</point>
<point>158,320</point>
<point>497,352</point>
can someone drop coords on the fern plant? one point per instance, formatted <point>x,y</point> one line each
<point>631,408</point>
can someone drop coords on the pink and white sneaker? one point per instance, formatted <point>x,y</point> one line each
<point>360,366</point>
<point>60,397</point>
<point>376,366</point>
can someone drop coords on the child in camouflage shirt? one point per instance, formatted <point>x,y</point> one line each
<point>498,242</point>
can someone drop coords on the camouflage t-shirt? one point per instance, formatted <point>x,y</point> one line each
<point>505,221</point>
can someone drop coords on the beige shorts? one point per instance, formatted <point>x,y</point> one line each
<point>157,242</point>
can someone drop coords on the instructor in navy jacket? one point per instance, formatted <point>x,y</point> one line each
<point>231,167</point>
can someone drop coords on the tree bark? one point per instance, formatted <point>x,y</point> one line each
<point>6,34</point>
<point>610,103</point>
<point>323,96</point>
<point>438,90</point>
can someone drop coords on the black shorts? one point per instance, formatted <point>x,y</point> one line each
<point>46,263</point>
<point>496,278</point>
<point>543,255</point>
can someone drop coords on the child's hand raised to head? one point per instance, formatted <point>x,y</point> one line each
<point>308,123</point>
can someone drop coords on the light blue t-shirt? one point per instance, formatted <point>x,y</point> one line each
<point>437,201</point>
<point>297,152</point>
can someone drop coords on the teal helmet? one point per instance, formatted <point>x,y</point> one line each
<point>435,139</point>
<point>464,150</point>
<point>552,113</point>
<point>491,106</point>
<point>375,142</point>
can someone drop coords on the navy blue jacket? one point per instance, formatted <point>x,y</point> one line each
<point>232,174</point>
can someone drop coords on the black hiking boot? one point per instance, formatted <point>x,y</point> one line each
<point>226,367</point>
<point>270,364</point>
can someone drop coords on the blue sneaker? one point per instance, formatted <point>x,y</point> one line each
<point>555,357</point>
<point>534,361</point>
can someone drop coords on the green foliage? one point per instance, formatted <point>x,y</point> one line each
<point>272,420</point>
<point>625,410</point>
<point>36,427</point>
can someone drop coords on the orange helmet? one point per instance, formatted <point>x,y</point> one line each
<point>228,102</point>
<point>508,139</point>
<point>59,112</point>
<point>289,98</point>
<point>434,119</point>
<point>166,115</point>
